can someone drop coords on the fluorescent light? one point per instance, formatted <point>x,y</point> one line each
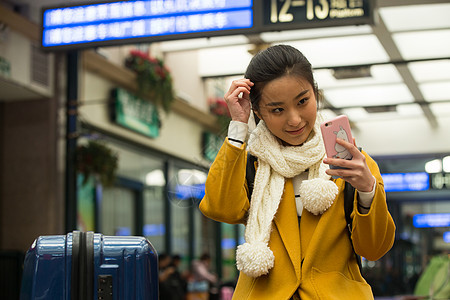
<point>342,51</point>
<point>223,60</point>
<point>155,178</point>
<point>369,95</point>
<point>441,109</point>
<point>435,91</point>
<point>328,114</point>
<point>446,164</point>
<point>356,114</point>
<point>433,166</point>
<point>199,43</point>
<point>409,110</point>
<point>430,70</point>
<point>302,34</point>
<point>423,44</point>
<point>380,74</point>
<point>191,177</point>
<point>416,17</point>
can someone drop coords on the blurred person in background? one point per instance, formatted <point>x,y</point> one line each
<point>201,272</point>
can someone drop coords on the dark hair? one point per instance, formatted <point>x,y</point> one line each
<point>275,62</point>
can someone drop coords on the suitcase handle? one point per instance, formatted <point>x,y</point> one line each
<point>82,283</point>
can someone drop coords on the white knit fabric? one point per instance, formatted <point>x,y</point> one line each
<point>275,163</point>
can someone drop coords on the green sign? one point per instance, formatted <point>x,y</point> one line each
<point>5,67</point>
<point>135,113</point>
<point>211,145</point>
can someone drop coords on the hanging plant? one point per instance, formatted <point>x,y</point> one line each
<point>153,78</point>
<point>97,159</point>
<point>219,108</point>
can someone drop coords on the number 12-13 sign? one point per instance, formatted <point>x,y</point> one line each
<point>290,14</point>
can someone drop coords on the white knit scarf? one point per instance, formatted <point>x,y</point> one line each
<point>275,163</point>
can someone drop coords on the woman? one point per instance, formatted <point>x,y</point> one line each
<point>297,245</point>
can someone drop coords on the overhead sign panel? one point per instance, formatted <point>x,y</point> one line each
<point>292,14</point>
<point>122,22</point>
<point>109,23</point>
<point>431,220</point>
<point>405,182</point>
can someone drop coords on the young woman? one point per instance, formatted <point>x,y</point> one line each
<point>297,243</point>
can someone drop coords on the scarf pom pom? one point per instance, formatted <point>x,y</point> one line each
<point>254,259</point>
<point>318,195</point>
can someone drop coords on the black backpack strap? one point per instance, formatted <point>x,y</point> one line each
<point>250,172</point>
<point>349,194</point>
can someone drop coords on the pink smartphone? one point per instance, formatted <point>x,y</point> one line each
<point>338,127</point>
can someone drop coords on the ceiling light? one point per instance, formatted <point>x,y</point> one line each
<point>446,164</point>
<point>369,95</point>
<point>433,166</point>
<point>155,178</point>
<point>199,43</point>
<point>380,74</point>
<point>441,109</point>
<point>403,18</point>
<point>328,114</point>
<point>423,44</point>
<point>302,34</point>
<point>191,177</point>
<point>342,51</point>
<point>409,110</point>
<point>435,91</point>
<point>430,70</point>
<point>224,60</point>
<point>356,114</point>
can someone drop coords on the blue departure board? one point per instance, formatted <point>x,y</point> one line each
<point>122,20</point>
<point>431,220</point>
<point>405,182</point>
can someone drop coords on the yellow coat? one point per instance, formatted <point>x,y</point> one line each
<point>317,256</point>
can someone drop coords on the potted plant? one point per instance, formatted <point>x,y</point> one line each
<point>153,78</point>
<point>219,108</point>
<point>95,158</point>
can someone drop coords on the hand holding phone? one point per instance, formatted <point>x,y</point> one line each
<point>338,127</point>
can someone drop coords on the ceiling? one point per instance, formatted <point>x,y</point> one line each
<point>404,58</point>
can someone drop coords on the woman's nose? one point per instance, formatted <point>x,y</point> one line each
<point>294,119</point>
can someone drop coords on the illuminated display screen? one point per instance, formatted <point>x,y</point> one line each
<point>446,236</point>
<point>121,20</point>
<point>134,21</point>
<point>404,182</point>
<point>184,192</point>
<point>431,220</point>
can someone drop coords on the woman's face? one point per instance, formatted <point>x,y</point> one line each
<point>288,107</point>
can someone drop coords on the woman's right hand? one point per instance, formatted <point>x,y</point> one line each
<point>239,104</point>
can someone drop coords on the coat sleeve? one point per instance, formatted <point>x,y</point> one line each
<point>225,197</point>
<point>373,233</point>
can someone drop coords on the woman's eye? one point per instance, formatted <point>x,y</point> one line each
<point>303,101</point>
<point>277,110</point>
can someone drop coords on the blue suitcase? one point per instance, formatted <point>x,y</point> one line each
<point>90,266</point>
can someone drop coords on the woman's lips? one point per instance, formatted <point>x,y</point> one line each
<point>296,132</point>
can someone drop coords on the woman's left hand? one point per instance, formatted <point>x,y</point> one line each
<point>356,171</point>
